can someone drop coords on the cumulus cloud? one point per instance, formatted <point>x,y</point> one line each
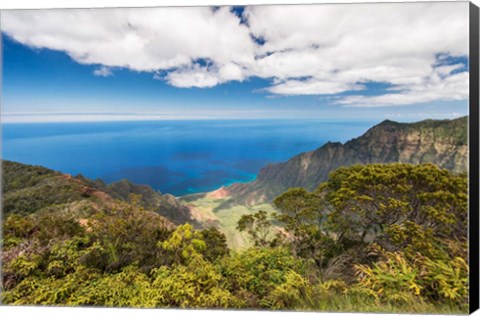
<point>433,88</point>
<point>196,76</point>
<point>301,49</point>
<point>204,76</point>
<point>340,47</point>
<point>137,39</point>
<point>312,87</point>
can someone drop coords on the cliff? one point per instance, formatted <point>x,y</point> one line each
<point>441,142</point>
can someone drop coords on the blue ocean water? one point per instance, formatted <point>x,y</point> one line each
<point>177,157</point>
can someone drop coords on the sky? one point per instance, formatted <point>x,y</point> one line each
<point>344,62</point>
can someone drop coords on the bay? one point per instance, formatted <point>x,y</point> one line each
<point>177,157</point>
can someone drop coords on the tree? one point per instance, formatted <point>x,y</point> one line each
<point>258,227</point>
<point>302,216</point>
<point>400,206</point>
<point>216,243</point>
<point>184,245</point>
<point>128,234</point>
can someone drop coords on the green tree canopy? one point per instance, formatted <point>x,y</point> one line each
<point>401,206</point>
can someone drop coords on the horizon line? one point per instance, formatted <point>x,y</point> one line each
<point>29,118</point>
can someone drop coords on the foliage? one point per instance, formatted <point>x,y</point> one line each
<point>254,273</point>
<point>216,244</point>
<point>300,210</point>
<point>258,227</point>
<point>400,202</point>
<point>197,284</point>
<point>184,244</point>
<point>302,215</point>
<point>17,228</point>
<point>129,234</point>
<point>396,279</point>
<point>445,280</point>
<point>391,280</point>
<point>372,238</point>
<point>296,292</point>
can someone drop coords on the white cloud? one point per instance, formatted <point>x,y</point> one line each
<point>138,39</point>
<point>196,76</point>
<point>434,88</point>
<point>103,72</point>
<point>204,76</point>
<point>447,70</point>
<point>307,49</point>
<point>312,87</point>
<point>340,47</point>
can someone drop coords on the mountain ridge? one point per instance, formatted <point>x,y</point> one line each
<point>441,142</point>
<point>28,189</point>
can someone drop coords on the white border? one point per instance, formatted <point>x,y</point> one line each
<point>43,4</point>
<point>77,311</point>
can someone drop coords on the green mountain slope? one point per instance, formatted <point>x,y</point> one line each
<point>29,189</point>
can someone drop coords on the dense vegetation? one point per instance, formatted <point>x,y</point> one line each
<point>380,237</point>
<point>29,189</point>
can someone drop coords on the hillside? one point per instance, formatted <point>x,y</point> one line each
<point>441,142</point>
<point>28,189</point>
<point>71,241</point>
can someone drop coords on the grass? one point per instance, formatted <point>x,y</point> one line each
<point>210,212</point>
<point>351,304</point>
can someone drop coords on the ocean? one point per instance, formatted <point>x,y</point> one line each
<point>177,157</point>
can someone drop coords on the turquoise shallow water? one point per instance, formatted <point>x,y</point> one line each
<point>177,157</point>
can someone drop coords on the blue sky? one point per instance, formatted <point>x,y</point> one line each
<point>247,66</point>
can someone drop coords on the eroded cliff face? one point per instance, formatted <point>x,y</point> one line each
<point>441,142</point>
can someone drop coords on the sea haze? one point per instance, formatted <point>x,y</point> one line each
<point>177,157</point>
